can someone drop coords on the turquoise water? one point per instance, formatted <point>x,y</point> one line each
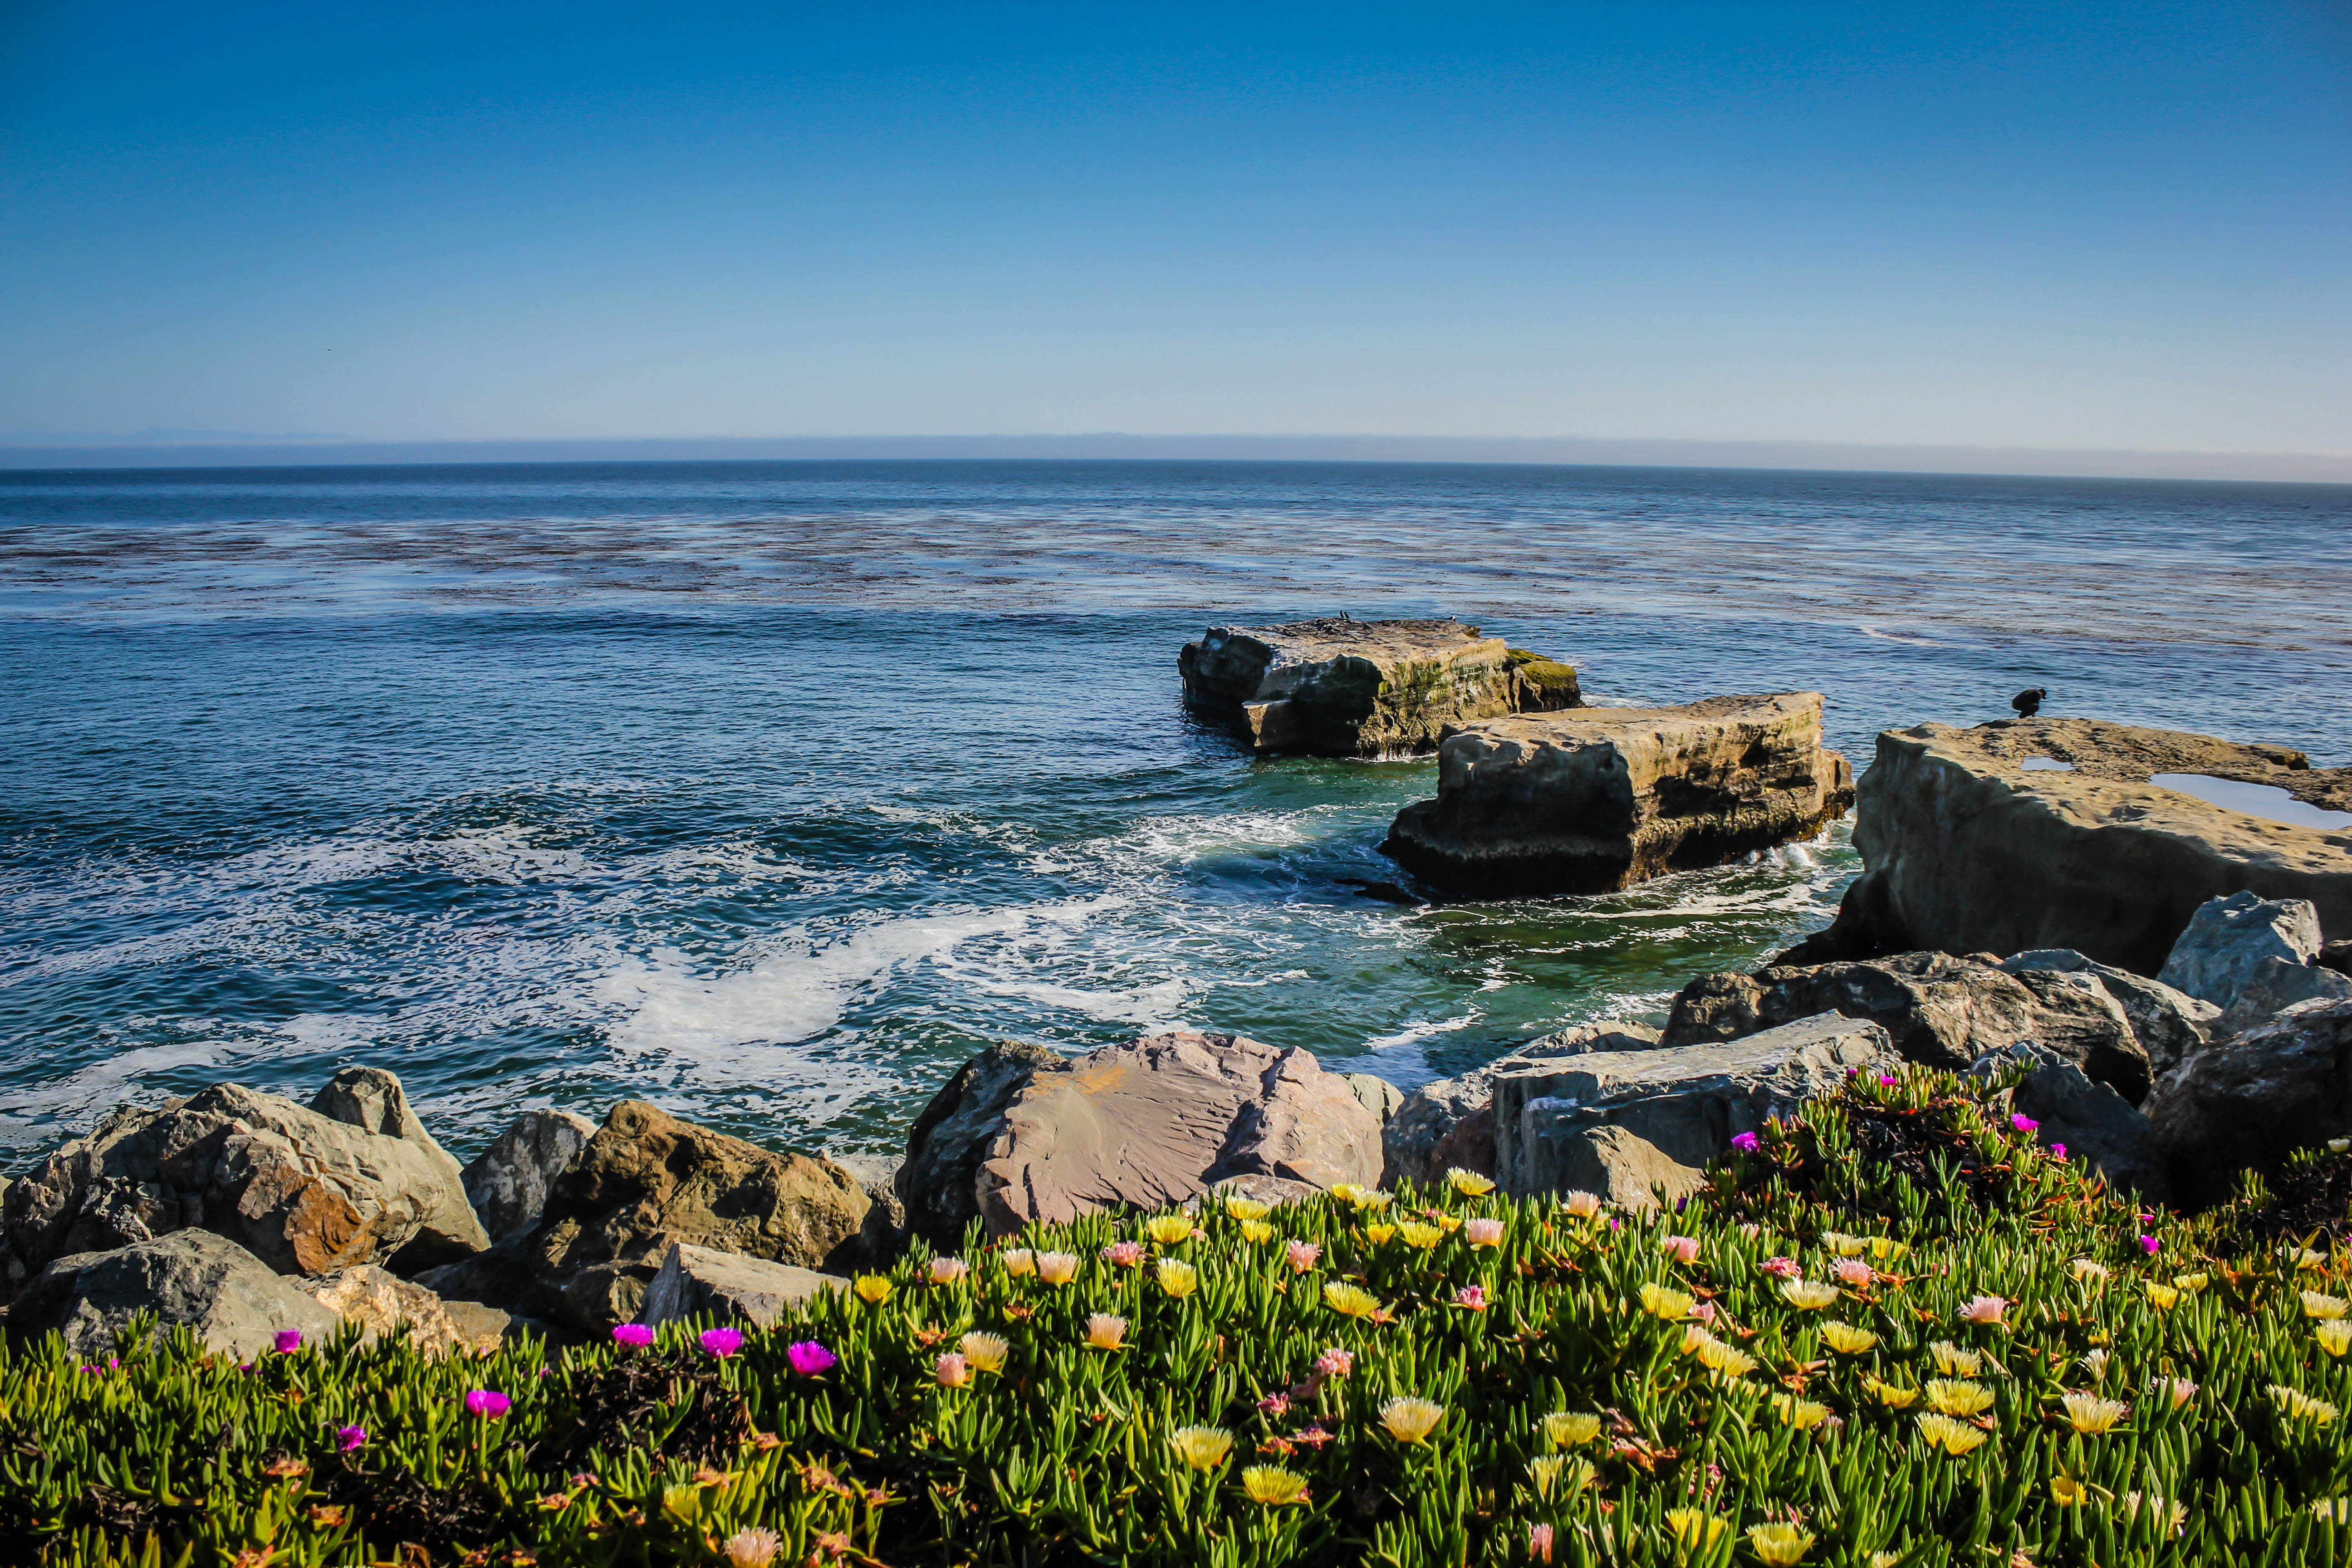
<point>768,792</point>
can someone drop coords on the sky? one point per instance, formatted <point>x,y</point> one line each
<point>2020,224</point>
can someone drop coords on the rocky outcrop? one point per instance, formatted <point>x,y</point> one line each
<point>1450,1124</point>
<point>298,1189</point>
<point>2089,1120</point>
<point>232,1301</point>
<point>1622,1123</point>
<point>1937,1010</point>
<point>1602,798</point>
<point>2246,1101</point>
<point>938,1182</point>
<point>1969,850</point>
<point>382,1303</point>
<point>508,1181</point>
<point>695,1280</point>
<point>1341,688</point>
<point>2253,957</point>
<point>2167,1024</point>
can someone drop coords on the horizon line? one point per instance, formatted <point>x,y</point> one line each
<point>1827,456</point>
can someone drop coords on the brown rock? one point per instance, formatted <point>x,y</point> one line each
<point>951,1137</point>
<point>382,1302</point>
<point>1602,798</point>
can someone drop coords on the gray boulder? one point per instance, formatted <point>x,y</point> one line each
<point>696,1280</point>
<point>508,1181</point>
<point>1450,1124</point>
<point>2246,1101</point>
<point>2244,943</point>
<point>2168,1024</point>
<point>1621,1123</point>
<point>1380,1097</point>
<point>232,1301</point>
<point>2091,1120</point>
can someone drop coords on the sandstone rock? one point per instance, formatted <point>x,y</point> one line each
<point>380,1303</point>
<point>2167,1024</point>
<point>1605,798</point>
<point>2246,1101</point>
<point>1156,1121</point>
<point>232,1299</point>
<point>1344,688</point>
<point>373,1100</point>
<point>1627,1119</point>
<point>1966,850</point>
<point>508,1181</point>
<point>695,1279</point>
<point>2092,1121</point>
<point>1940,1011</point>
<point>302,1191</point>
<point>1379,1096</point>
<point>951,1137</point>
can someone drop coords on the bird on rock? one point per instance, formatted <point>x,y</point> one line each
<point>2029,703</point>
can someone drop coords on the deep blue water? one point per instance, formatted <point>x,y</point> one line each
<point>769,791</point>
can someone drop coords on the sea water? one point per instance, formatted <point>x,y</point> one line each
<point>770,791</point>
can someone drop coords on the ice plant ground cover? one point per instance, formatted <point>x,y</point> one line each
<point>1896,1331</point>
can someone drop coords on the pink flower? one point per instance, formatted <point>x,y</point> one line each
<point>1983,1309</point>
<point>487,1403</point>
<point>1126,1254</point>
<point>1681,1248</point>
<point>1335,1362</point>
<point>948,1270</point>
<point>1483,1232</point>
<point>635,1336</point>
<point>810,1358</point>
<point>1703,1311</point>
<point>351,1439</point>
<point>722,1341</point>
<point>1539,1543</point>
<point>1275,1404</point>
<point>1851,1272</point>
<point>1471,1295</point>
<point>2150,1244</point>
<point>288,1340</point>
<point>2022,1122</point>
<point>2057,1150</point>
<point>1781,1268</point>
<point>1746,1143</point>
<point>1887,1081</point>
<point>1302,1255</point>
<point>952,1371</point>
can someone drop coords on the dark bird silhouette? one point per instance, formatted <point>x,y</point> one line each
<point>2029,703</point>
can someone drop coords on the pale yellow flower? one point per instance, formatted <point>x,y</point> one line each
<point>1349,1300</point>
<point>1581,1205</point>
<point>2171,1512</point>
<point>1780,1545</point>
<point>2303,1257</point>
<point>2339,1510</point>
<point>1570,1428</point>
<point>985,1351</point>
<point>1374,1202</point>
<point>1018,1261</point>
<point>751,1548</point>
<point>1203,1447</point>
<point>1693,1527</point>
<point>1240,1207</point>
<point>1559,1475</point>
<point>1952,1397</point>
<point>1257,1232</point>
<point>1804,1414</point>
<point>1424,1237</point>
<point>1469,1183</point>
<point>1954,1362</point>
<point>1410,1420</point>
<point>2089,1270</point>
<point>2335,1335</point>
<point>1178,1280</point>
<point>1889,1394</point>
<point>2193,1283</point>
<point>2163,1298</point>
<point>2090,1415</point>
<point>1168,1229</point>
<point>1809,1295</point>
<point>2302,1406</point>
<point>1379,1233</point>
<point>1484,1233</point>
<point>1726,1360</point>
<point>1660,1301</point>
<point>1953,1437</point>
<point>1058,1268</point>
<point>1847,1339</point>
<point>1106,1330</point>
<point>872,1289</point>
<point>1844,1245</point>
<point>1270,1485</point>
<point>2096,1363</point>
<point>2315,1305</point>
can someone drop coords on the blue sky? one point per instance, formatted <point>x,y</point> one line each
<point>2055,225</point>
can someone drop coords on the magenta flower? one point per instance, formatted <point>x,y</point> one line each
<point>722,1341</point>
<point>2022,1122</point>
<point>2150,1244</point>
<point>2057,1150</point>
<point>1745,1142</point>
<point>810,1358</point>
<point>1887,1081</point>
<point>288,1340</point>
<point>349,1439</point>
<point>634,1336</point>
<point>487,1403</point>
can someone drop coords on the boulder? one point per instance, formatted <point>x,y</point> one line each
<point>1379,1096</point>
<point>695,1280</point>
<point>508,1181</point>
<point>2253,957</point>
<point>2246,1101</point>
<point>1622,1123</point>
<point>1602,798</point>
<point>300,1190</point>
<point>1153,1122</point>
<point>2167,1024</point>
<point>1449,1124</point>
<point>1967,850</point>
<point>380,1303</point>
<point>232,1301</point>
<point>1342,688</point>
<point>2090,1120</point>
<point>877,1177</point>
<point>1940,1011</point>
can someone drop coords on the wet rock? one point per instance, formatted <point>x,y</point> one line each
<point>383,1303</point>
<point>1343,687</point>
<point>1620,1122</point>
<point>695,1279</point>
<point>302,1191</point>
<point>1965,850</point>
<point>508,1181</point>
<point>1156,1121</point>
<point>2246,1101</point>
<point>1602,798</point>
<point>232,1301</point>
<point>2167,1024</point>
<point>1940,1011</point>
<point>938,1182</point>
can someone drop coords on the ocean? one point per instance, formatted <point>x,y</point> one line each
<point>768,792</point>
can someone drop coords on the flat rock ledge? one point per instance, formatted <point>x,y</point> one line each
<point>1968,849</point>
<point>1342,688</point>
<point>1602,798</point>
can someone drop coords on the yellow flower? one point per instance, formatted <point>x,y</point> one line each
<point>2163,1298</point>
<point>1804,1414</point>
<point>2089,1270</point>
<point>1375,1202</point>
<point>1779,1544</point>
<point>1106,1330</point>
<point>1424,1237</point>
<point>1889,1396</point>
<point>1469,1183</point>
<point>1843,1244</point>
<point>1410,1420</point>
<point>2302,1406</point>
<point>1567,1429</point>
<point>1168,1229</point>
<point>1349,1300</point>
<point>1953,1437</point>
<point>1379,1233</point>
<point>2193,1283</point>
<point>1271,1485</point>
<point>1881,1248</point>
<point>1058,1268</point>
<point>2173,1513</point>
<point>2089,1413</point>
<point>1256,1232</point>
<point>985,1351</point>
<point>1347,1192</point>
<point>1725,1359</point>
<point>1847,1339</point>
<point>1247,1208</point>
<point>2068,1492</point>
<point>1956,1398</point>
<point>1808,1295</point>
<point>1545,1472</point>
<point>1693,1527</point>
<point>1203,1447</point>
<point>1018,1261</point>
<point>872,1289</point>
<point>1581,1205</point>
<point>1660,1301</point>
<point>1954,1362</point>
<point>2315,1305</point>
<point>1178,1280</point>
<point>2334,1336</point>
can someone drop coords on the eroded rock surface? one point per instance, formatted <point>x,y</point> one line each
<point>235,1301</point>
<point>695,1279</point>
<point>2246,1101</point>
<point>1966,850</point>
<point>1344,688</point>
<point>938,1182</point>
<point>2167,1024</point>
<point>1450,1124</point>
<point>381,1303</point>
<point>1601,798</point>
<point>508,1181</point>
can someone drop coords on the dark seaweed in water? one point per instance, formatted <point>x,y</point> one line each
<point>683,1406</point>
<point>2308,1196</point>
